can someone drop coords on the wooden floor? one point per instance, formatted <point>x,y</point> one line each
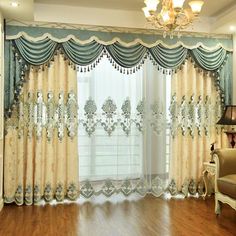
<point>146,217</point>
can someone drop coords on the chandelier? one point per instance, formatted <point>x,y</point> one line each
<point>173,17</point>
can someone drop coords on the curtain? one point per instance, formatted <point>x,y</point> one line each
<point>196,106</point>
<point>122,131</point>
<point>125,57</point>
<point>62,33</point>
<point>41,155</point>
<point>124,125</point>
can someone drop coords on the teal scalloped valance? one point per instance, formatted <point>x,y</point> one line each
<point>82,54</point>
<point>169,58</point>
<point>146,39</point>
<point>39,46</point>
<point>41,52</point>
<point>209,60</point>
<point>37,53</point>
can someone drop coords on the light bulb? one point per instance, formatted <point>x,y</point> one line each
<point>151,4</point>
<point>146,12</point>
<point>178,4</point>
<point>232,28</point>
<point>165,16</point>
<point>196,6</point>
<point>14,4</point>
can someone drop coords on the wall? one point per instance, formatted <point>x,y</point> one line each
<point>1,109</point>
<point>103,17</point>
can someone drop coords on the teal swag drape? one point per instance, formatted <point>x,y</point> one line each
<point>209,60</point>
<point>127,57</point>
<point>37,53</point>
<point>41,52</point>
<point>22,52</point>
<point>169,58</point>
<point>82,54</point>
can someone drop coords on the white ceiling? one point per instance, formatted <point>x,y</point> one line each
<point>130,5</point>
<point>211,7</point>
<point>25,11</point>
<point>216,16</point>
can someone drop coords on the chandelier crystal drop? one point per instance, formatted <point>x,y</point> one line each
<point>172,16</point>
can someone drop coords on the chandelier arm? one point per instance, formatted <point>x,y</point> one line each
<point>171,18</point>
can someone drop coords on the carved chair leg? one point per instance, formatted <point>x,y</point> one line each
<point>217,206</point>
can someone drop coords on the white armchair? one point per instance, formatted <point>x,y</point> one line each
<point>225,184</point>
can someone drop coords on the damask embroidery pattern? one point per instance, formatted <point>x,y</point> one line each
<point>90,122</point>
<point>31,194</point>
<point>189,187</point>
<point>59,112</point>
<point>157,120</point>
<point>60,116</point>
<point>109,187</point>
<point>140,115</point>
<point>126,187</point>
<point>194,115</point>
<point>109,111</point>
<point>110,116</point>
<point>38,113</point>
<point>50,115</point>
<point>72,116</point>
<point>126,113</point>
<point>141,187</point>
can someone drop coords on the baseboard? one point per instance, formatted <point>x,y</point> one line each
<point>1,204</point>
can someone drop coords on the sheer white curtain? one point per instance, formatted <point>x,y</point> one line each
<point>122,137</point>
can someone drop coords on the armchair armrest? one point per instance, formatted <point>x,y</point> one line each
<point>226,161</point>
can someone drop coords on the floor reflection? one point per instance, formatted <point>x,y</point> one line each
<point>147,216</point>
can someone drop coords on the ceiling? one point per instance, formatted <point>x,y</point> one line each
<point>130,5</point>
<point>216,16</point>
<point>25,11</point>
<point>210,7</point>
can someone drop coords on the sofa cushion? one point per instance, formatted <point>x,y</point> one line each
<point>227,185</point>
<point>227,161</point>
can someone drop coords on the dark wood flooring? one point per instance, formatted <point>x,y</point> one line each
<point>149,216</point>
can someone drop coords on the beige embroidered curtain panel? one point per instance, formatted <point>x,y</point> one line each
<point>195,109</point>
<point>41,146</point>
<point>41,154</point>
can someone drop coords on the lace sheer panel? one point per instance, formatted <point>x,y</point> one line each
<point>123,123</point>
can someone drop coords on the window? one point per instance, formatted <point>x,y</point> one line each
<point>119,154</point>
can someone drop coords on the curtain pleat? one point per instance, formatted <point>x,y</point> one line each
<point>41,154</point>
<point>198,104</point>
<point>36,53</point>
<point>82,55</point>
<point>127,57</point>
<point>20,53</point>
<point>41,159</point>
<point>40,52</point>
<point>169,58</point>
<point>209,60</point>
